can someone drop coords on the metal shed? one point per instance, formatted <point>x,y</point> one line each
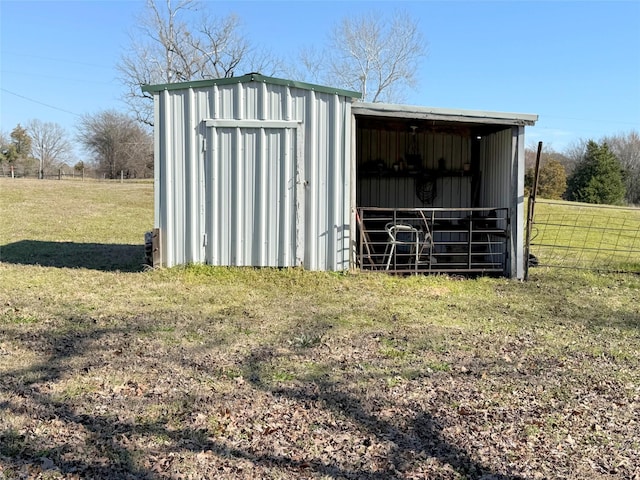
<point>260,171</point>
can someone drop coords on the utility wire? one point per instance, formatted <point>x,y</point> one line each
<point>39,102</point>
<point>58,60</point>
<point>66,79</point>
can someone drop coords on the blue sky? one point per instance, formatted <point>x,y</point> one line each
<point>575,64</point>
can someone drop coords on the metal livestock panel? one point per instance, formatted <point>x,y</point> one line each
<point>272,189</point>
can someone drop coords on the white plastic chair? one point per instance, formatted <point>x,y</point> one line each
<point>400,237</point>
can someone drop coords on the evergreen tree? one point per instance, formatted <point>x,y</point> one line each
<point>16,152</point>
<point>21,140</point>
<point>598,177</point>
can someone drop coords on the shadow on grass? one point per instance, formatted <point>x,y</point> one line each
<point>28,388</point>
<point>94,256</point>
<point>421,436</point>
<point>30,391</point>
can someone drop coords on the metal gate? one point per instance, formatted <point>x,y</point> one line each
<point>582,236</point>
<point>574,235</point>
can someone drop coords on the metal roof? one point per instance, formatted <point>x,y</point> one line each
<point>442,114</point>
<point>250,77</point>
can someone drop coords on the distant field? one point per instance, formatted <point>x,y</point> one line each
<point>109,370</point>
<point>71,223</point>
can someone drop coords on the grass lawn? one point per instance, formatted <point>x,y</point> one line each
<point>108,370</point>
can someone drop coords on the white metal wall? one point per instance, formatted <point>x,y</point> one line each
<point>502,167</point>
<point>253,174</point>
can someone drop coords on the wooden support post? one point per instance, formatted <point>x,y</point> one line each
<point>156,249</point>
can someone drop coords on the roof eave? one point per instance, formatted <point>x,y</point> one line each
<point>251,77</point>
<point>443,114</point>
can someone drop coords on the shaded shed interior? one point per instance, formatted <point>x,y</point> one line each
<point>448,180</point>
<point>395,155</point>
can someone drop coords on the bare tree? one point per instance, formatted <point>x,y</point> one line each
<point>371,54</point>
<point>626,147</point>
<point>177,41</point>
<point>548,154</point>
<point>49,145</point>
<point>575,153</point>
<point>118,143</point>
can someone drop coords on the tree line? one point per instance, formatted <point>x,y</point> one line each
<point>118,146</point>
<point>603,172</point>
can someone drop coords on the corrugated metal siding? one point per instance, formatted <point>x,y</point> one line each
<point>377,145</point>
<point>251,175</point>
<point>517,267</point>
<point>502,165</point>
<point>248,195</point>
<point>390,146</point>
<point>495,165</point>
<point>400,192</point>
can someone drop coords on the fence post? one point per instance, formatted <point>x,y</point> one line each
<point>121,176</point>
<point>530,212</point>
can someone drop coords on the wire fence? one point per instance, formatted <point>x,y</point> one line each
<point>583,236</point>
<point>75,176</point>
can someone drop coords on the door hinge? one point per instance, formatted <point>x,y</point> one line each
<point>204,240</point>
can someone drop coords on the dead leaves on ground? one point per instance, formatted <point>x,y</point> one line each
<point>129,404</point>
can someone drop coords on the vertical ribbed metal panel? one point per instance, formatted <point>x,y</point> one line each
<point>518,216</point>
<point>398,191</point>
<point>391,145</point>
<point>252,197</point>
<point>495,165</point>
<point>502,164</point>
<point>250,194</point>
<point>179,179</point>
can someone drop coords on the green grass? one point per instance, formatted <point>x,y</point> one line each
<point>592,236</point>
<point>67,224</point>
<point>118,372</point>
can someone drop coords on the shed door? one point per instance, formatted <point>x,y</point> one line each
<point>252,199</point>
